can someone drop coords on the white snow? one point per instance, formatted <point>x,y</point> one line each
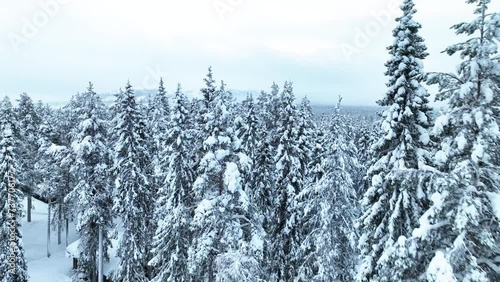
<point>244,161</point>
<point>474,68</point>
<point>402,66</point>
<point>279,165</point>
<point>232,177</point>
<point>72,252</point>
<point>459,241</point>
<point>461,142</point>
<point>441,156</point>
<point>440,123</point>
<point>203,208</point>
<point>7,132</point>
<point>210,141</point>
<point>72,249</point>
<point>467,214</point>
<point>257,243</point>
<point>477,152</point>
<point>424,136</point>
<point>224,140</point>
<point>221,154</point>
<point>402,241</point>
<point>56,268</point>
<point>478,116</point>
<point>440,269</point>
<point>467,118</point>
<point>488,94</point>
<point>495,203</point>
<point>465,89</point>
<point>425,225</point>
<point>376,180</point>
<point>422,118</point>
<point>55,149</point>
<point>88,123</point>
<point>405,42</point>
<point>85,144</point>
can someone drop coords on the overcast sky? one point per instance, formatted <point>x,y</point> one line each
<point>52,48</point>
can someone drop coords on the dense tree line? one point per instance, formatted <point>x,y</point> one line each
<point>214,189</point>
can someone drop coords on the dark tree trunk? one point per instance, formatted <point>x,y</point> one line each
<point>29,206</point>
<point>59,224</point>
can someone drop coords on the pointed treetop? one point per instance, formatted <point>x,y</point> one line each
<point>338,104</point>
<point>161,88</point>
<point>222,86</point>
<point>90,89</point>
<point>275,89</point>
<point>6,102</point>
<point>209,81</point>
<point>128,88</point>
<point>249,97</point>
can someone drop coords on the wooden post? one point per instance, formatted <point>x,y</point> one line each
<point>101,275</point>
<point>59,224</point>
<point>67,230</point>
<point>48,229</point>
<point>29,206</point>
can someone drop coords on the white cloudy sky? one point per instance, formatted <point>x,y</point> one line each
<point>51,53</point>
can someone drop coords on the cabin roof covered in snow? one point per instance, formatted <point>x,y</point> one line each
<point>108,267</point>
<point>72,249</point>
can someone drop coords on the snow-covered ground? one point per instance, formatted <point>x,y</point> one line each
<point>57,268</point>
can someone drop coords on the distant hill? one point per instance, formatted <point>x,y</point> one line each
<point>326,109</point>
<point>144,94</point>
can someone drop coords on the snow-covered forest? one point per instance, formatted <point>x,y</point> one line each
<point>214,188</point>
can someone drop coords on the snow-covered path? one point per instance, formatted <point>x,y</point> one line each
<point>57,268</point>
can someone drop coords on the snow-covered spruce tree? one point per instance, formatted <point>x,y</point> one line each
<point>159,115</point>
<point>234,265</point>
<point>221,203</point>
<point>263,109</point>
<point>92,194</point>
<point>330,209</point>
<point>8,116</point>
<point>306,135</point>
<point>263,167</point>
<point>134,199</point>
<point>54,175</point>
<point>345,123</point>
<point>285,231</point>
<point>366,137</point>
<point>158,118</point>
<point>13,265</point>
<point>462,225</point>
<point>395,201</point>
<point>209,93</point>
<point>247,124</point>
<point>28,122</point>
<point>316,170</point>
<point>247,130</point>
<point>52,171</point>
<point>174,206</point>
<point>198,110</point>
<point>56,158</point>
<point>44,111</point>
<point>275,115</point>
